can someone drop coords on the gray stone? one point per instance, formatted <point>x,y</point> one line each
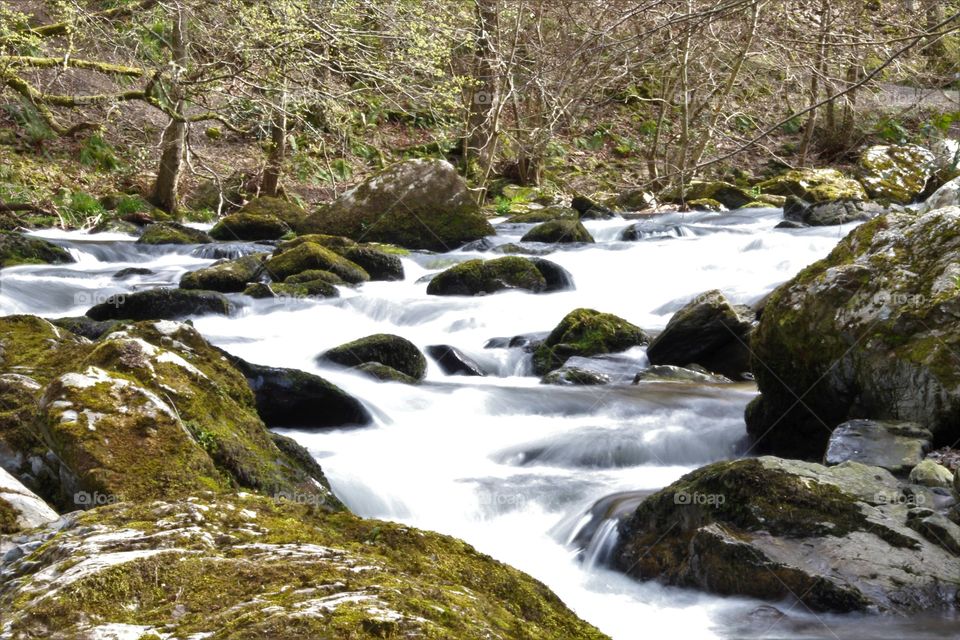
<point>930,474</point>
<point>895,446</point>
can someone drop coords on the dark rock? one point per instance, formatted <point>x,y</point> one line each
<point>558,231</point>
<point>452,361</point>
<point>247,226</point>
<point>132,271</point>
<point>302,257</point>
<point>173,233</point>
<point>895,446</point>
<point>160,304</point>
<point>546,214</point>
<point>790,224</point>
<point>590,210</point>
<point>710,332</point>
<point>558,278</point>
<point>393,351</point>
<point>830,213</point>
<point>575,376</point>
<point>380,265</point>
<point>230,276</point>
<point>17,249</point>
<point>585,332</point>
<point>84,326</point>
<point>671,373</point>
<point>475,277</point>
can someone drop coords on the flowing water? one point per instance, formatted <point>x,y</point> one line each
<point>534,475</point>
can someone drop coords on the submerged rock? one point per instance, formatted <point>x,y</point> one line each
<point>895,446</point>
<point>227,276</point>
<point>896,173</point>
<point>173,233</point>
<point>710,332</point>
<point>309,255</point>
<point>870,331</point>
<point>476,277</point>
<point>452,361</point>
<point>585,332</point>
<point>558,231</point>
<point>417,204</point>
<point>393,351</point>
<point>160,304</point>
<point>671,373</point>
<point>17,249</point>
<point>247,566</point>
<point>837,538</point>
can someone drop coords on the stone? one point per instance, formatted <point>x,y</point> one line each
<point>225,276</point>
<point>173,233</point>
<point>896,173</point>
<point>390,350</point>
<point>946,196</point>
<point>558,231</point>
<point>20,508</point>
<point>895,446</point>
<point>476,277</point>
<point>452,361</point>
<point>814,186</point>
<point>586,332</point>
<point>247,227</point>
<point>930,474</point>
<point>160,304</point>
<point>291,261</point>
<point>17,249</point>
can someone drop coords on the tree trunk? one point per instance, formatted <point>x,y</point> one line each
<point>273,173</point>
<point>165,189</point>
<point>480,141</point>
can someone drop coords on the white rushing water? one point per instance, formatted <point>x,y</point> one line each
<point>503,462</point>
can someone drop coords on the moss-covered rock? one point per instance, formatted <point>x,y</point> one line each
<point>814,185</point>
<point>20,508</point>
<point>870,331</point>
<point>946,196</point>
<point>930,474</point>
<point>834,537</point>
<point>225,276</point>
<point>160,304</point>
<point>710,332</point>
<point>311,256</point>
<point>248,226</point>
<point>544,215</point>
<point>830,213</point>
<point>312,275</point>
<point>173,233</point>
<point>477,277</point>
<point>379,264</point>
<point>384,373</point>
<point>558,231</point>
<point>706,204</point>
<point>290,213</point>
<point>393,351</point>
<point>588,209</point>
<point>417,204</point>
<point>719,192</point>
<point>16,249</point>
<point>585,332</point>
<point>245,566</point>
<point>897,173</point>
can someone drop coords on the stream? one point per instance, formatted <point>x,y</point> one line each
<point>531,474</point>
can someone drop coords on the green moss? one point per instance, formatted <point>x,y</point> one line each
<point>284,210</point>
<point>814,185</point>
<point>560,230</point>
<point>585,332</point>
<point>311,275</point>
<point>705,204</point>
<point>544,215</point>
<point>229,276</point>
<point>173,233</point>
<point>17,249</point>
<point>475,277</point>
<point>8,518</point>
<point>393,351</point>
<point>248,226</point>
<point>308,256</point>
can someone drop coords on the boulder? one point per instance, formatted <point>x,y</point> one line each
<point>575,376</point>
<point>247,226</point>
<point>160,304</point>
<point>417,204</point>
<point>378,264</point>
<point>946,196</point>
<point>830,213</point>
<point>930,474</point>
<point>393,351</point>
<point>814,185</point>
<point>293,398</point>
<point>710,332</point>
<point>309,255</point>
<point>225,276</point>
<point>672,373</point>
<point>590,210</point>
<point>87,327</point>
<point>722,193</point>
<point>545,214</point>
<point>558,231</point>
<point>130,272</point>
<point>17,249</point>
<point>895,446</point>
<point>384,373</point>
<point>585,332</point>
<point>477,277</point>
<point>249,566</point>
<point>20,508</point>
<point>836,538</point>
<point>173,233</point>
<point>896,173</point>
<point>869,331</point>
<point>946,161</point>
<point>454,362</point>
<point>287,212</point>
<point>312,275</point>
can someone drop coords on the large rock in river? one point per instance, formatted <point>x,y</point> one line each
<point>226,276</point>
<point>160,304</point>
<point>871,331</point>
<point>17,249</point>
<point>585,332</point>
<point>417,204</point>
<point>836,538</point>
<point>246,566</point>
<point>896,173</point>
<point>173,233</point>
<point>393,351</point>
<point>814,185</point>
<point>558,231</point>
<point>477,277</point>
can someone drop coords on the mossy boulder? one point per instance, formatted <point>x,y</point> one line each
<point>588,209</point>
<point>830,213</point>
<point>20,508</point>
<point>946,196</point>
<point>311,275</point>
<point>719,192</point>
<point>384,373</point>
<point>417,204</point>
<point>868,332</point>
<point>836,538</point>
<point>247,566</point>
<point>896,173</point>
<point>928,473</point>
<point>706,204</point>
<point>558,231</point>
<point>478,277</point>
<point>247,226</point>
<point>544,215</point>
<point>814,185</point>
<point>710,332</point>
<point>312,256</point>
<point>173,233</point>
<point>290,213</point>
<point>390,350</point>
<point>585,332</point>
<point>225,276</point>
<point>17,249</point>
<point>148,411</point>
<point>160,304</point>
<point>379,264</point>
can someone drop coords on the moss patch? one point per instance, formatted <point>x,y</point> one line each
<point>585,332</point>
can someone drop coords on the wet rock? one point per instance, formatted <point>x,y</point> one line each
<point>87,327</point>
<point>868,331</point>
<point>814,186</point>
<point>671,373</point>
<point>575,376</point>
<point>930,474</point>
<point>558,231</point>
<point>946,196</point>
<point>895,446</point>
<point>586,332</point>
<point>160,304</point>
<point>556,277</point>
<point>247,226</point>
<point>173,233</point>
<point>938,529</point>
<point>896,173</point>
<point>830,213</point>
<point>653,230</point>
<point>724,194</point>
<point>791,224</point>
<point>710,332</point>
<point>293,398</point>
<point>545,214</point>
<point>773,529</point>
<point>379,264</point>
<point>384,373</point>
<point>309,255</point>
<point>476,277</point>
<point>452,361</point>
<point>417,204</point>
<point>228,276</point>
<point>17,249</point>
<point>129,272</point>
<point>393,351</point>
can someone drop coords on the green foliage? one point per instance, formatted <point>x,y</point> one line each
<point>792,126</point>
<point>892,131</point>
<point>29,120</point>
<point>132,204</point>
<point>99,154</point>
